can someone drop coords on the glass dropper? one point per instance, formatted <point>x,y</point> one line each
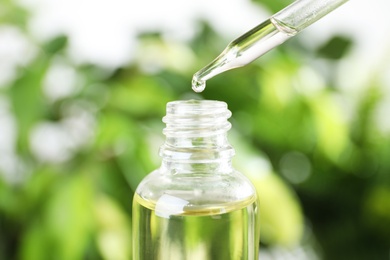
<point>265,36</point>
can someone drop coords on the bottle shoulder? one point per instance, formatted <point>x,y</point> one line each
<point>197,188</point>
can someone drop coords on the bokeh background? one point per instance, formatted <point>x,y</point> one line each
<point>83,88</point>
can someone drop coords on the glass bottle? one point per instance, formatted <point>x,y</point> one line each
<point>196,206</point>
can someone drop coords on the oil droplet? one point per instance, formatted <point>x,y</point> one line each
<point>198,85</point>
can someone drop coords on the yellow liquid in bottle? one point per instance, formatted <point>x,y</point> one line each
<point>227,231</point>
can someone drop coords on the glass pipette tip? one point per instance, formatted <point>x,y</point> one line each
<point>264,37</point>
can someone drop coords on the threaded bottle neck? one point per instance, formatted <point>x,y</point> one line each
<point>196,131</point>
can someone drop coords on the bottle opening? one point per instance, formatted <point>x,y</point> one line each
<point>196,118</point>
<point>196,130</point>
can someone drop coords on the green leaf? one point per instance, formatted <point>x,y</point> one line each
<point>12,13</point>
<point>274,6</point>
<point>114,229</point>
<point>35,243</point>
<point>28,103</point>
<point>55,45</point>
<point>69,217</point>
<point>336,48</point>
<point>281,215</point>
<point>140,96</point>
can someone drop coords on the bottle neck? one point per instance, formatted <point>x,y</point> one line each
<point>196,137</point>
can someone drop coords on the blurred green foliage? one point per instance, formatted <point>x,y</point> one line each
<point>323,180</point>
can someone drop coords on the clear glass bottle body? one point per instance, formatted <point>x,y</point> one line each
<point>196,206</point>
